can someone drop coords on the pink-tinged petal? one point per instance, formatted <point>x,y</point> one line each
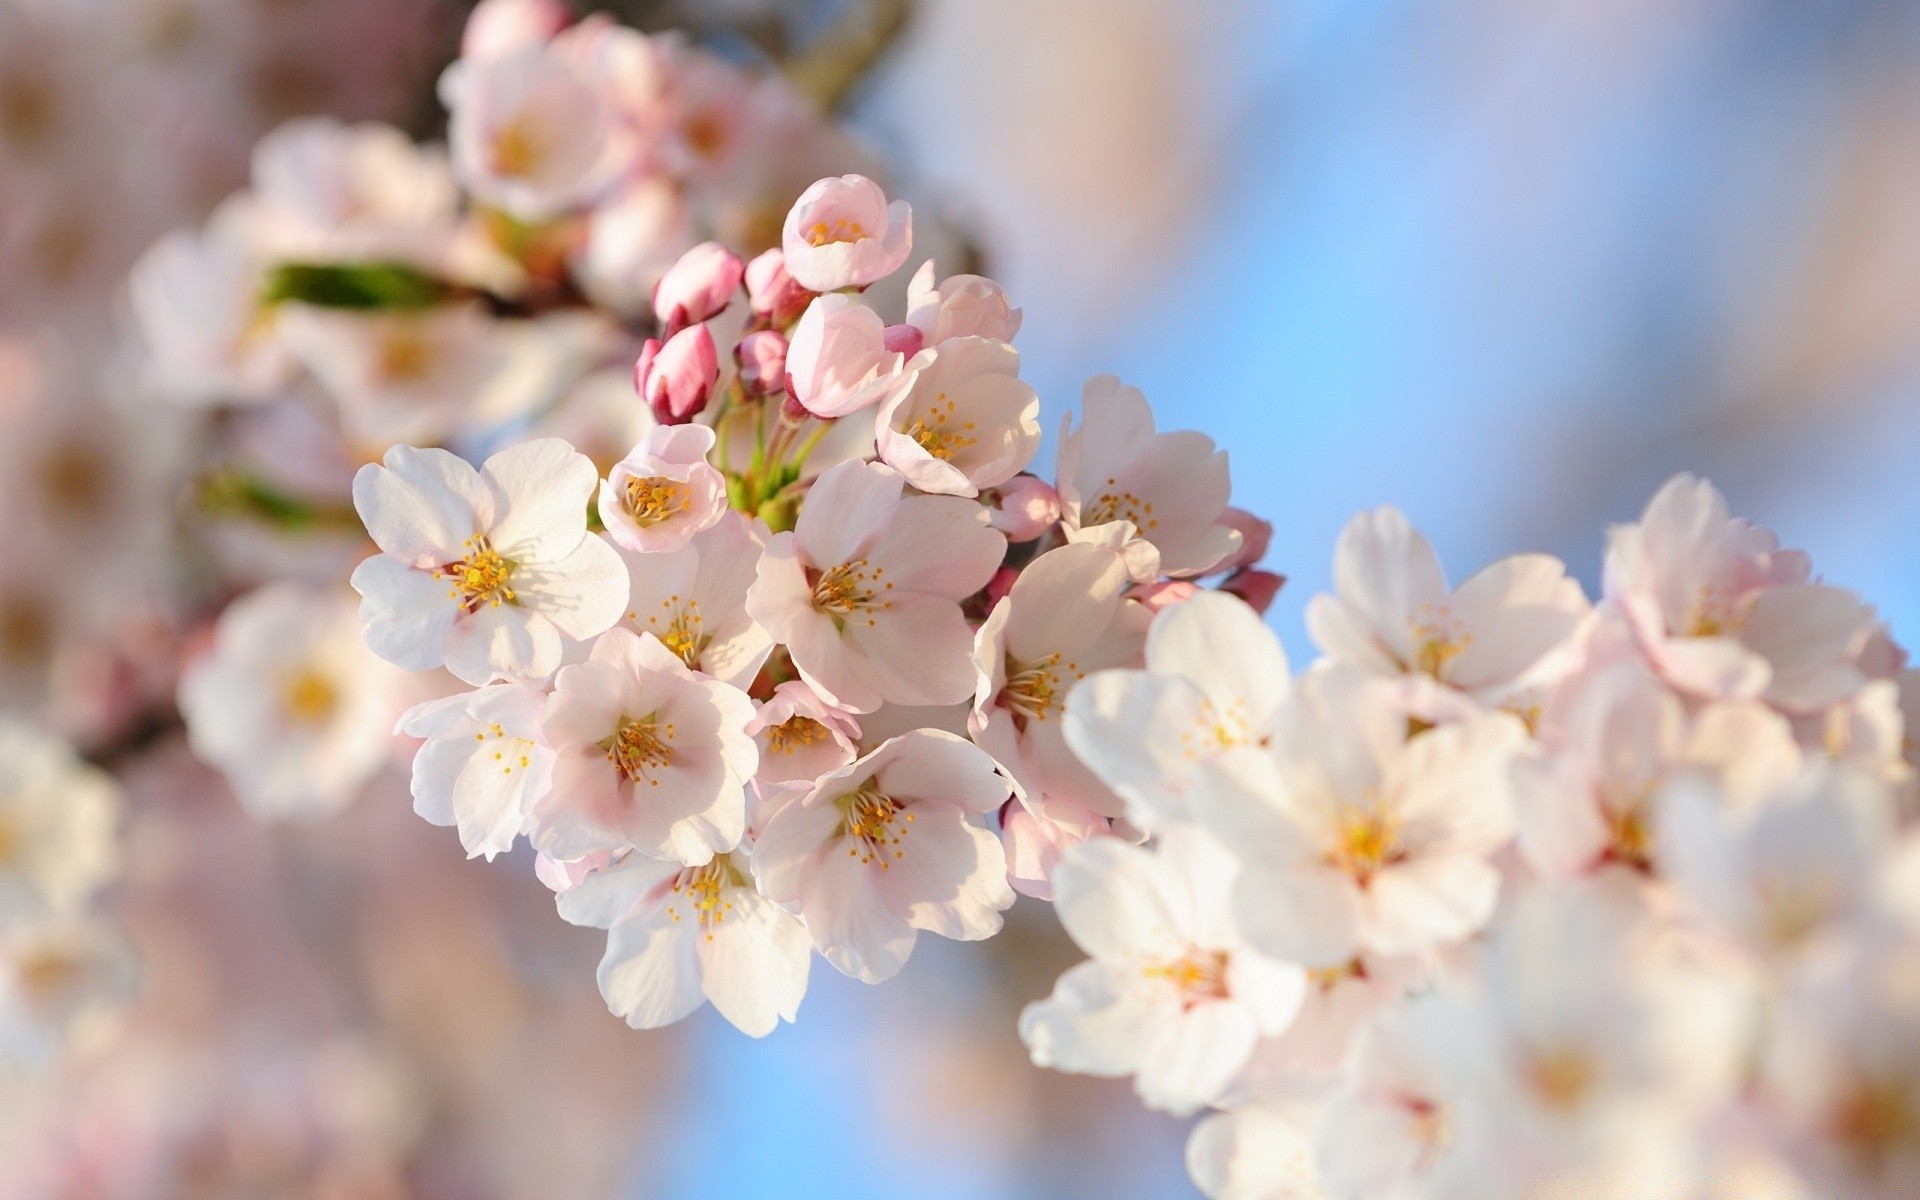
<point>1094,1023</point>
<point>845,510</point>
<point>830,664</point>
<point>1273,991</point>
<point>1257,1152</point>
<point>650,974</point>
<point>1425,903</point>
<point>436,769</point>
<point>786,844</point>
<point>542,487</point>
<point>423,505</point>
<point>1344,633</point>
<point>950,877</point>
<point>1387,571</point>
<point>585,810</point>
<point>1191,1062</point>
<point>584,593</point>
<point>1312,916</point>
<point>931,764</point>
<point>753,965</point>
<point>1455,793</point>
<point>1518,610</point>
<point>940,545</point>
<point>780,599</point>
<point>407,613</point>
<point>1125,726</point>
<point>1220,644</point>
<point>1718,667</point>
<point>1063,600</point>
<point>1561,830</point>
<point>918,651</point>
<point>507,642</point>
<point>609,895</point>
<point>852,924</point>
<point>1118,901</point>
<point>1812,636</point>
<point>494,797</point>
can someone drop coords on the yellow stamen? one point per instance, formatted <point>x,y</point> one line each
<point>820,233</point>
<point>1365,841</point>
<point>874,823</point>
<point>794,734</point>
<point>638,747</point>
<point>1117,504</point>
<point>480,578</point>
<point>308,696</point>
<point>654,498</point>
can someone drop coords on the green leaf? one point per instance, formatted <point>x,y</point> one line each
<point>358,286</point>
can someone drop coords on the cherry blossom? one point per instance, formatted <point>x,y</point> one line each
<point>1477,645</point>
<point>1171,995</point>
<point>679,935</point>
<point>842,233</point>
<point>838,361</point>
<point>960,419</point>
<point>484,764</point>
<point>865,591</point>
<point>664,492</point>
<point>647,753</point>
<point>801,736</point>
<point>961,306</point>
<point>883,847</point>
<point>289,703</point>
<point>530,133</point>
<point>483,571</point>
<point>58,825</point>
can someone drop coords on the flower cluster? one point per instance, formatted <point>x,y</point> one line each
<point>1512,894</point>
<point>790,676</point>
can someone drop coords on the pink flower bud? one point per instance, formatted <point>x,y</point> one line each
<point>838,361</point>
<point>762,359</point>
<point>1257,588</point>
<point>963,306</point>
<point>1000,585</point>
<point>842,233</point>
<point>697,287</point>
<point>903,339</point>
<point>1159,596</point>
<point>1255,534</point>
<point>676,378</point>
<point>497,28</point>
<point>1024,507</point>
<point>771,292</point>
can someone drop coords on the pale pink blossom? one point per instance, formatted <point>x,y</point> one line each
<point>697,287</point>
<point>680,935</point>
<point>1355,838</point>
<point>649,754</point>
<point>1722,611</point>
<point>400,376</point>
<point>663,492</point>
<point>630,241</point>
<point>1065,618</point>
<point>361,192</point>
<point>1023,507</point>
<point>961,306</point>
<point>842,233</point>
<point>1215,679</point>
<point>1259,1152</point>
<point>837,360</point>
<point>59,825</point>
<point>65,982</point>
<point>694,600</point>
<point>1451,651</point>
<point>960,419</point>
<point>1171,995</point>
<point>675,378</point>
<point>865,591</point>
<point>483,571</point>
<point>887,846</point>
<point>1164,489</point>
<point>208,330</point>
<point>484,764</point>
<point>801,736</point>
<point>289,704</point>
<point>531,134</point>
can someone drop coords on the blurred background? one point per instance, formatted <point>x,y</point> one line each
<point>1504,263</point>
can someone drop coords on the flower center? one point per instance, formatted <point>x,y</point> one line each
<point>404,356</point>
<point>480,578</point>
<point>1216,729</point>
<point>638,747</point>
<point>1365,841</point>
<point>308,696</point>
<point>1119,505</point>
<point>518,149</point>
<point>874,823</point>
<point>1198,975</point>
<point>1035,690</point>
<point>794,734</point>
<point>28,110</point>
<point>1439,641</point>
<point>1562,1078</point>
<point>680,629</point>
<point>654,498</point>
<point>44,973</point>
<point>702,893</point>
<point>849,588</point>
<point>1876,1117</point>
<point>823,233</point>
<point>931,431</point>
<point>1713,613</point>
